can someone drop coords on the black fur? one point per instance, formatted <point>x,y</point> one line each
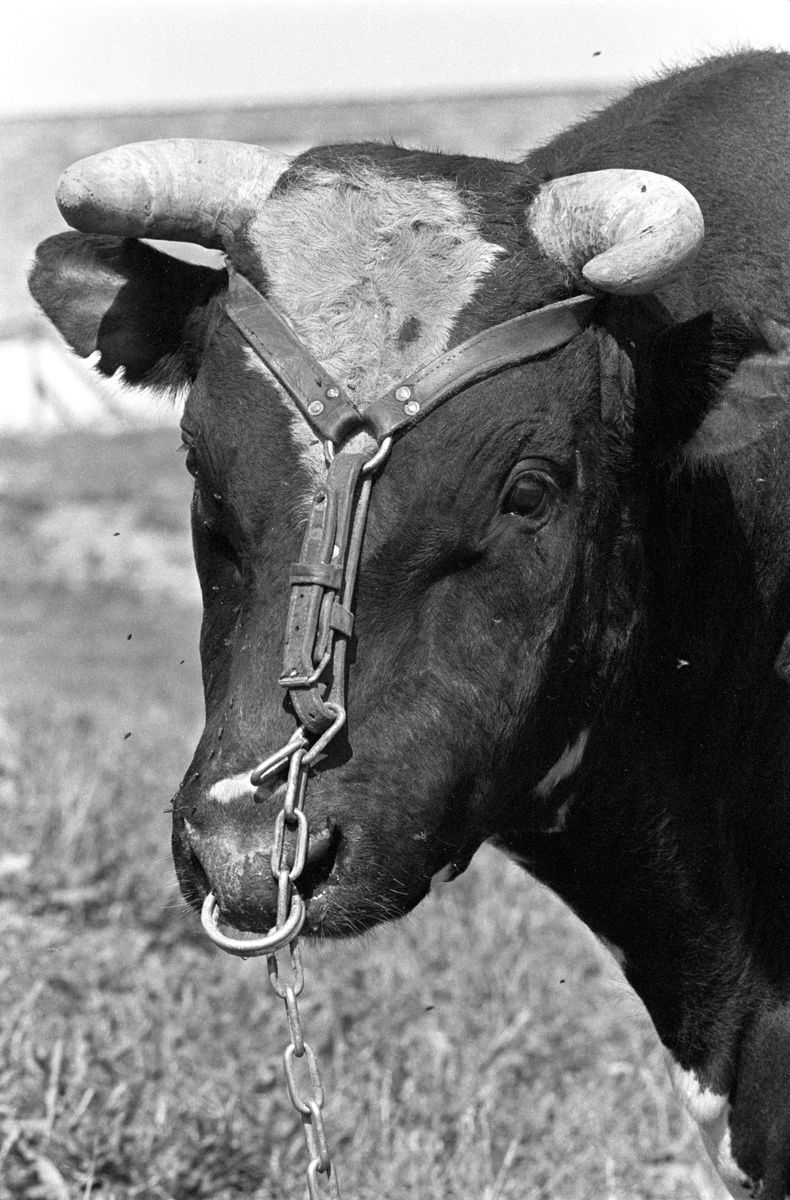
<point>145,312</point>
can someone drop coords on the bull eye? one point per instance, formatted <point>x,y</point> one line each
<point>529,495</point>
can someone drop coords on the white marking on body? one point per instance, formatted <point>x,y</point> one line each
<point>701,1103</point>
<point>710,1111</point>
<point>372,271</point>
<point>568,762</point>
<point>236,787</point>
<point>561,816</point>
<point>731,1173</point>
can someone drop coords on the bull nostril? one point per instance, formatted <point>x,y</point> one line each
<point>240,875</point>
<point>319,845</point>
<point>322,852</point>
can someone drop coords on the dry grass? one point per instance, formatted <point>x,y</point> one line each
<point>484,1049</point>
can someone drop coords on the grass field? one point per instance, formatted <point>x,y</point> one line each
<point>484,1049</point>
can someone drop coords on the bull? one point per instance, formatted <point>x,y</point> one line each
<point>571,617</point>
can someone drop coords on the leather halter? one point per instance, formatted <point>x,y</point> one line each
<point>320,617</point>
<point>324,403</point>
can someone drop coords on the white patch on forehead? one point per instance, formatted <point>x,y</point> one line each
<point>236,787</point>
<point>710,1111</point>
<point>372,272</point>
<point>568,762</point>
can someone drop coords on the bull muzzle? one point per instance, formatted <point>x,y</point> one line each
<point>238,872</point>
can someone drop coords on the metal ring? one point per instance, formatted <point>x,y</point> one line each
<point>275,762</point>
<point>379,457</point>
<point>300,681</point>
<point>326,737</point>
<point>253,947</point>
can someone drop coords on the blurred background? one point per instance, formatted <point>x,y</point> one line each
<point>477,76</point>
<point>486,1047</point>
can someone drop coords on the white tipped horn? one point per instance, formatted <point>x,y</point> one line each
<point>626,232</point>
<point>184,189</point>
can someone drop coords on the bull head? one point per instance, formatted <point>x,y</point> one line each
<point>617,231</point>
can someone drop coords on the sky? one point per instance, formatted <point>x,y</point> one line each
<point>78,55</point>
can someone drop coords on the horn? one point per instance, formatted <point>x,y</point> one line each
<point>626,232</point>
<point>184,189</point>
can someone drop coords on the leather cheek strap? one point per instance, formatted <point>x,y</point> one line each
<point>505,345</point>
<point>320,620</point>
<point>319,397</point>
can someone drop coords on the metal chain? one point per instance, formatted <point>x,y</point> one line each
<point>298,755</point>
<point>307,1103</point>
<point>285,933</point>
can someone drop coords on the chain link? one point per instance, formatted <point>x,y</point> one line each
<point>290,819</point>
<point>309,1106</point>
<point>292,839</point>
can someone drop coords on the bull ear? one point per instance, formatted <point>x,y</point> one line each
<point>716,384</point>
<point>144,312</point>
